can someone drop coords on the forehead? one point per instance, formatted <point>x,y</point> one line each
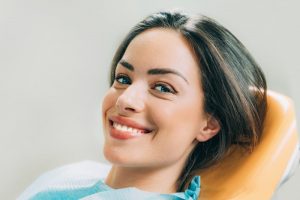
<point>161,47</point>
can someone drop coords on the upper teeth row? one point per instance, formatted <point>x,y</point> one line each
<point>122,127</point>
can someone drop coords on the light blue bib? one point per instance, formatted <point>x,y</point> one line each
<point>83,181</point>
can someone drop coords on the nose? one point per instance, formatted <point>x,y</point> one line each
<point>131,100</point>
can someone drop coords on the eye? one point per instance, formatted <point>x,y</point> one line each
<point>164,88</point>
<point>123,79</point>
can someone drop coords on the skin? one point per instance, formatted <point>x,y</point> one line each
<point>169,105</point>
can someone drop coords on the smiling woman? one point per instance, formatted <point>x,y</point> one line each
<point>156,97</point>
<point>183,90</point>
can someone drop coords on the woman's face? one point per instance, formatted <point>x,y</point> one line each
<point>153,113</point>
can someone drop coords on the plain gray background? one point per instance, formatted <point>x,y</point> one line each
<point>54,62</point>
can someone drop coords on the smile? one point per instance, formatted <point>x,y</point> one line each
<point>123,128</point>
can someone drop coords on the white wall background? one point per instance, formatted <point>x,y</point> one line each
<point>54,61</point>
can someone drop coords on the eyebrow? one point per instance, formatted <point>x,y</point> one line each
<point>154,71</point>
<point>127,65</point>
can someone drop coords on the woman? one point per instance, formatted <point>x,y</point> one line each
<point>183,90</point>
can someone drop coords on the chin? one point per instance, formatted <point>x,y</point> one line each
<point>115,157</point>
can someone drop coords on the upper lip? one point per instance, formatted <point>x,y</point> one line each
<point>128,122</point>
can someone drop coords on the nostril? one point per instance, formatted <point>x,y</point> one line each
<point>129,109</point>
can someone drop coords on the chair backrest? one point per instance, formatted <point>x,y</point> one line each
<point>256,175</point>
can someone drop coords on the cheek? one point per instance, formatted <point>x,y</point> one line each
<point>177,124</point>
<point>184,115</point>
<point>109,101</point>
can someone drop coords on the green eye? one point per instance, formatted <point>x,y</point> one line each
<point>123,79</point>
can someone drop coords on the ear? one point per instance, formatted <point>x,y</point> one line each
<point>209,129</point>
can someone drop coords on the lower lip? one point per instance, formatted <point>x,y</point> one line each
<point>123,135</point>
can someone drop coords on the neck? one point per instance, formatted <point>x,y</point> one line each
<point>163,180</point>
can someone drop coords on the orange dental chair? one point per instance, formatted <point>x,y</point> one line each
<point>257,175</point>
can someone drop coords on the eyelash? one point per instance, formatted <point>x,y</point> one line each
<point>164,87</point>
<point>119,76</point>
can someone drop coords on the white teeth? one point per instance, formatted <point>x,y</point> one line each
<point>121,127</point>
<point>118,126</point>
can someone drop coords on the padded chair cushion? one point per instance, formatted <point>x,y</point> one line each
<point>256,175</point>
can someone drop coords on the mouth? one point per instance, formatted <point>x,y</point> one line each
<point>121,128</point>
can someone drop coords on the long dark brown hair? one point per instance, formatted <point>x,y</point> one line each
<point>234,85</point>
